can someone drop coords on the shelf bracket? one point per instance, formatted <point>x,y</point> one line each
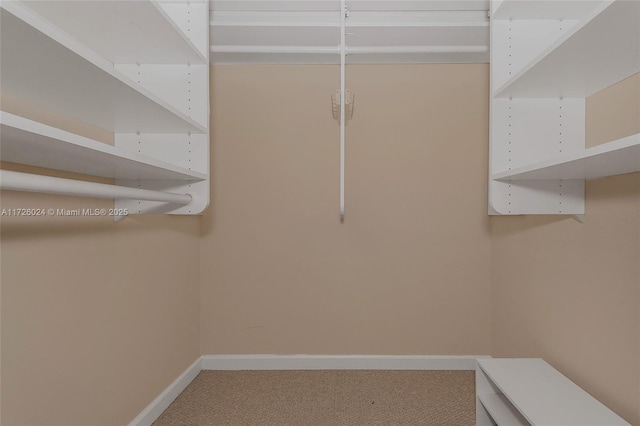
<point>582,218</point>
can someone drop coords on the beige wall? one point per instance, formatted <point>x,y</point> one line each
<point>97,318</point>
<point>614,113</point>
<point>570,292</point>
<point>408,271</point>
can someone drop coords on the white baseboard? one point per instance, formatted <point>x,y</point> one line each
<point>151,413</point>
<point>339,362</point>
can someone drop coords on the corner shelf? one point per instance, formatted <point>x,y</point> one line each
<point>29,142</point>
<point>601,50</point>
<point>610,159</point>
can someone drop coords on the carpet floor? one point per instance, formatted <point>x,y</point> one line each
<point>325,397</point>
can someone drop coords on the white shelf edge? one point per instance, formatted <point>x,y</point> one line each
<point>98,150</point>
<point>553,167</point>
<point>178,30</point>
<point>353,50</point>
<point>354,24</point>
<point>537,60</point>
<point>355,5</point>
<point>501,410</point>
<point>54,33</point>
<point>500,387</point>
<point>500,15</point>
<point>328,50</point>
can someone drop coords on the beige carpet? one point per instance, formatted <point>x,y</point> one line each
<point>335,397</point>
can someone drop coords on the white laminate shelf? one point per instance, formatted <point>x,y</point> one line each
<point>124,32</point>
<point>52,69</point>
<point>601,50</point>
<point>29,142</point>
<point>501,410</point>
<point>378,32</point>
<point>543,396</point>
<point>544,9</point>
<point>614,158</point>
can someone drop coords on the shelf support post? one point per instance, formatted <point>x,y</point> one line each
<point>343,49</point>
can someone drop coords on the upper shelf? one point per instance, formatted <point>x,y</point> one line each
<point>377,32</point>
<point>125,32</point>
<point>601,50</point>
<point>28,142</point>
<point>545,9</point>
<point>52,69</point>
<point>613,158</point>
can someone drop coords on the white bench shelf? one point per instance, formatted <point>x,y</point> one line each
<point>528,391</point>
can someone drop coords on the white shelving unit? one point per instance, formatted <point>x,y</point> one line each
<point>381,31</point>
<point>547,57</point>
<point>136,68</point>
<point>530,392</point>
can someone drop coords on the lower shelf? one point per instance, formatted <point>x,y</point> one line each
<point>609,159</point>
<point>26,141</point>
<point>501,410</point>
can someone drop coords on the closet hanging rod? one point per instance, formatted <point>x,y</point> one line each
<point>17,181</point>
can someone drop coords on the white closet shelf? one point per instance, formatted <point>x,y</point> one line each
<point>501,410</point>
<point>123,32</point>
<point>356,54</point>
<point>378,32</point>
<point>28,142</point>
<point>274,35</point>
<point>601,50</point>
<point>52,69</point>
<point>354,5</point>
<point>544,9</point>
<point>444,34</point>
<point>374,19</point>
<point>613,158</point>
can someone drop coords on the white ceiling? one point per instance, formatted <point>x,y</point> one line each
<point>390,31</point>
